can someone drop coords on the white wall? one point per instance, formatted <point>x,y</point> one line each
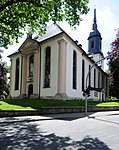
<point>73,93</point>
<point>77,93</point>
<point>13,92</point>
<point>50,92</point>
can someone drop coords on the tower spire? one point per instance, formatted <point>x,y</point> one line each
<point>94,39</point>
<point>95,42</point>
<point>95,24</point>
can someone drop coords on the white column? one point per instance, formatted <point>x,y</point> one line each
<point>61,93</point>
<point>24,72</point>
<point>36,79</point>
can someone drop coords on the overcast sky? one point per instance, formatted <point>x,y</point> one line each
<point>107,20</point>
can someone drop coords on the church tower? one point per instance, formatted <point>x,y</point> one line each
<point>95,43</point>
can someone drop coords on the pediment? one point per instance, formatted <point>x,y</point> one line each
<point>28,45</point>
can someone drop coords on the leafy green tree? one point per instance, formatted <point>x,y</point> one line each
<point>33,16</point>
<point>3,79</point>
<point>8,68</point>
<point>114,68</point>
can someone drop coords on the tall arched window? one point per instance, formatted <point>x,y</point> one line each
<point>47,67</point>
<point>89,75</point>
<point>102,81</point>
<point>94,78</point>
<point>17,74</point>
<point>74,69</point>
<point>31,65</point>
<point>98,79</point>
<point>83,75</point>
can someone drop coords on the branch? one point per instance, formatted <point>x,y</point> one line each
<point>11,2</point>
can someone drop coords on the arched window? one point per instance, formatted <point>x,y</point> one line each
<point>83,75</point>
<point>89,75</point>
<point>31,65</point>
<point>47,67</point>
<point>17,74</point>
<point>74,69</point>
<point>94,78</point>
<point>102,81</point>
<point>98,79</point>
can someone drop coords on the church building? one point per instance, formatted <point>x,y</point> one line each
<point>55,66</point>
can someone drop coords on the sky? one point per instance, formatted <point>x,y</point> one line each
<point>107,21</point>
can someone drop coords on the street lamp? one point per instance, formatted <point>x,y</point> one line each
<point>86,92</point>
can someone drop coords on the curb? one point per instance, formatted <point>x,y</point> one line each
<point>45,111</point>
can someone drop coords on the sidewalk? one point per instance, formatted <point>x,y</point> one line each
<point>104,113</point>
<point>67,116</point>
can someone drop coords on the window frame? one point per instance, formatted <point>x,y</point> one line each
<point>83,74</point>
<point>47,68</point>
<point>31,65</point>
<point>74,78</point>
<point>17,71</point>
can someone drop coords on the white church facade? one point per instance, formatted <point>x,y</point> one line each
<point>55,66</point>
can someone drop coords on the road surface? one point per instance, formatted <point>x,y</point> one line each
<point>100,131</point>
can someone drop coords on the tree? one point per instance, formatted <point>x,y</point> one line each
<point>3,79</point>
<point>114,68</point>
<point>33,16</point>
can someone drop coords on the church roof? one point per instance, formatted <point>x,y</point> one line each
<point>94,33</point>
<point>51,31</point>
<point>16,52</point>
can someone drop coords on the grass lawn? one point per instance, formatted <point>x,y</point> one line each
<point>29,104</point>
<point>108,104</point>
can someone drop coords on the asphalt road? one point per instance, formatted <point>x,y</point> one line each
<point>100,131</point>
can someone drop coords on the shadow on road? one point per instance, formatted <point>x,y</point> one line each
<point>68,116</point>
<point>30,136</point>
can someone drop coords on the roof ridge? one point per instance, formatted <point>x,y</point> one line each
<point>51,30</point>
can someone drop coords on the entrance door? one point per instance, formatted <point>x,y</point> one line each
<point>30,90</point>
<point>102,97</point>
